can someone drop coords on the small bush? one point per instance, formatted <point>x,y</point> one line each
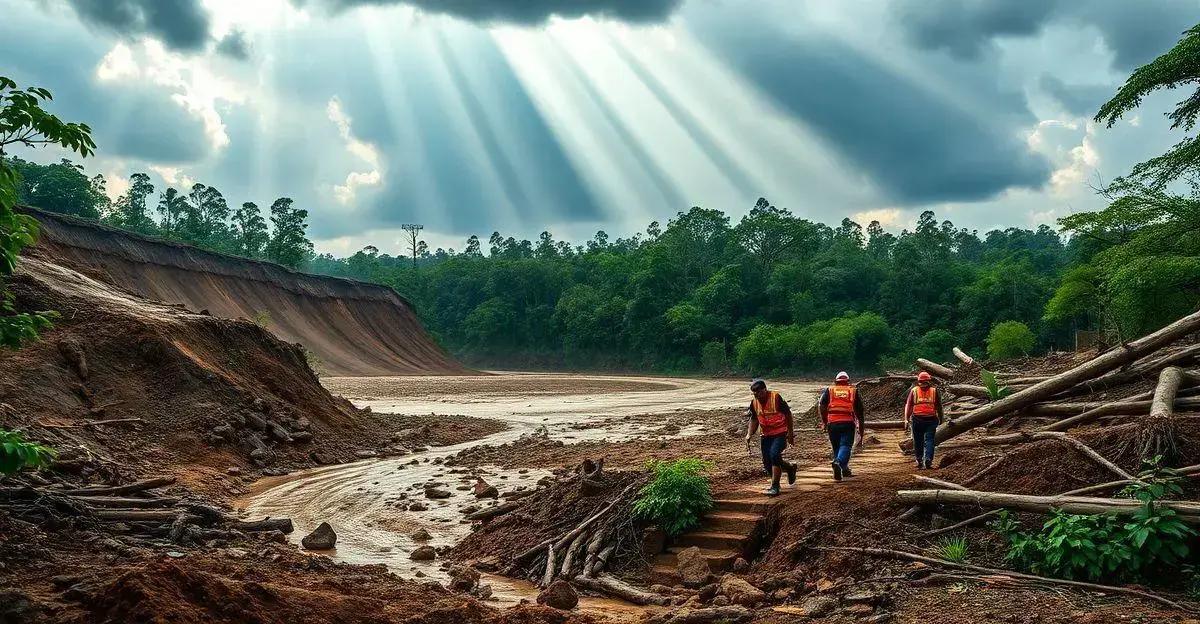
<point>994,389</point>
<point>712,357</point>
<point>677,497</point>
<point>262,318</point>
<point>1010,339</point>
<point>952,549</point>
<point>17,453</point>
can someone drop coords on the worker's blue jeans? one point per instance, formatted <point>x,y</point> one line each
<point>841,438</point>
<point>772,451</point>
<point>923,430</point>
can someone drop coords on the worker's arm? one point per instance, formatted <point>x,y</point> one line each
<point>753,423</point>
<point>823,407</point>
<point>908,408</point>
<point>860,411</point>
<point>787,417</point>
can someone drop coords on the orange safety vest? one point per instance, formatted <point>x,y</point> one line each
<point>924,401</point>
<point>841,403</point>
<point>770,419</point>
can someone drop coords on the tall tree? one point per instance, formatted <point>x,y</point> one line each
<point>173,209</point>
<point>62,187</point>
<point>289,244</point>
<point>412,234</point>
<point>131,210</point>
<point>249,231</point>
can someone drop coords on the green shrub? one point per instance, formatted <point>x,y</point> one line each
<point>1152,542</point>
<point>952,549</point>
<point>17,453</point>
<point>994,389</point>
<point>1010,339</point>
<point>677,497</point>
<point>712,357</point>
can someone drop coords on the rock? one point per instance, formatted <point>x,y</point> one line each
<point>423,553</point>
<point>79,592</point>
<point>322,458</point>
<point>302,436</point>
<point>365,454</point>
<point>720,601</point>
<point>417,506</point>
<point>260,456</point>
<point>692,567</point>
<point>859,610</point>
<point>483,490</point>
<point>883,618</point>
<point>434,492</point>
<point>463,578</point>
<point>740,565</point>
<point>708,592</point>
<point>233,471</point>
<point>421,535</point>
<point>17,606</point>
<point>819,606</point>
<point>64,581</point>
<point>740,592</point>
<point>559,595</point>
<point>323,538</point>
<point>781,595</point>
<point>863,597</point>
<point>483,592</point>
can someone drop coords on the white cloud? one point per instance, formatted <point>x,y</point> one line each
<point>173,176</point>
<point>346,193</point>
<point>887,217</point>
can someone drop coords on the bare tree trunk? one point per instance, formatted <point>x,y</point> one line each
<point>1188,512</point>
<point>1164,395</point>
<point>140,486</point>
<point>937,370</point>
<point>614,587</point>
<point>1144,368</point>
<point>1099,365</point>
<point>962,356</point>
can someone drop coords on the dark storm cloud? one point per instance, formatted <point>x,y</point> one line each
<point>179,24</point>
<point>914,145</point>
<point>1079,100</point>
<point>1135,31</point>
<point>235,46</point>
<point>128,120</point>
<point>525,11</point>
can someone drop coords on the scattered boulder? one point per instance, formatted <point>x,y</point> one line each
<point>863,597</point>
<point>692,567</point>
<point>417,506</point>
<point>423,553</point>
<point>365,454</point>
<point>484,490</point>
<point>740,592</point>
<point>559,595</point>
<point>435,492</point>
<point>859,610</point>
<point>819,606</point>
<point>463,578</point>
<point>421,535</point>
<point>322,538</point>
<point>740,565</point>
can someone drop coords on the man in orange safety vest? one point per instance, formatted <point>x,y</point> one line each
<point>842,418</point>
<point>769,413</point>
<point>922,415</point>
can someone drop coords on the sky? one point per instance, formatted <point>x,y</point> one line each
<point>518,116</point>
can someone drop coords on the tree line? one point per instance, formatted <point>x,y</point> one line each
<point>200,216</point>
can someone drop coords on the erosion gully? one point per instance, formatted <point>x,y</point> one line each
<point>359,499</point>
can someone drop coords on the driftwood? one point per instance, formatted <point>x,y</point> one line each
<point>140,486</point>
<point>90,423</point>
<point>1187,511</point>
<point>615,587</point>
<point>935,369</point>
<point>1041,580</point>
<point>1103,363</point>
<point>121,502</point>
<point>704,615</point>
<point>962,356</point>
<point>266,524</point>
<point>491,512</point>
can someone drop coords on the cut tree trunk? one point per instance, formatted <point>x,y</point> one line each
<point>1145,368</point>
<point>1188,512</point>
<point>612,586</point>
<point>1103,363</point>
<point>937,370</point>
<point>140,486</point>
<point>962,356</point>
<point>1162,406</point>
<point>266,524</point>
<point>968,390</point>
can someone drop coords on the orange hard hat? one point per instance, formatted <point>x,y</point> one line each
<point>923,376</point>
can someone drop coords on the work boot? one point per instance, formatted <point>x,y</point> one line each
<point>773,490</point>
<point>791,473</point>
<point>837,471</point>
<point>920,465</point>
<point>929,464</point>
<point>846,472</point>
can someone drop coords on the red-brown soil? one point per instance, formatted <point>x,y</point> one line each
<point>354,328</point>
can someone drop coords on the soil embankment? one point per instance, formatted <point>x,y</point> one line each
<point>354,328</point>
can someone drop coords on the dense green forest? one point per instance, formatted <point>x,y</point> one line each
<point>769,293</point>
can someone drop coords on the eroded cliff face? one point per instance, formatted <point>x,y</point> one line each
<point>354,328</point>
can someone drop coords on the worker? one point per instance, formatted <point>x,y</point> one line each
<point>842,418</point>
<point>770,414</point>
<point>922,415</point>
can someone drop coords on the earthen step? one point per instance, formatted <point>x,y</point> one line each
<point>719,559</point>
<point>743,505</point>
<point>730,521</point>
<point>713,539</point>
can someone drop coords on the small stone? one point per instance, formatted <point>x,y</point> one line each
<point>559,595</point>
<point>322,538</point>
<point>233,471</point>
<point>692,567</point>
<point>483,490</point>
<point>740,592</point>
<point>423,553</point>
<point>859,609</point>
<point>436,493</point>
<point>463,578</point>
<point>365,454</point>
<point>421,535</point>
<point>720,601</point>
<point>417,506</point>
<point>175,554</point>
<point>740,565</point>
<point>819,606</point>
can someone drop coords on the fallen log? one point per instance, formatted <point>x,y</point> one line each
<point>139,486</point>
<point>127,503</point>
<point>704,615</point>
<point>962,356</point>
<point>266,524</point>
<point>1188,512</point>
<point>898,554</point>
<point>123,515</point>
<point>1030,436</point>
<point>978,392</point>
<point>939,483</point>
<point>570,535</point>
<point>491,512</point>
<point>885,424</point>
<point>1098,365</point>
<point>1143,369</point>
<point>937,370</point>
<point>1163,404</point>
<point>612,586</point>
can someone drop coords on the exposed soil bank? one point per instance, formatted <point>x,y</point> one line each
<point>354,328</point>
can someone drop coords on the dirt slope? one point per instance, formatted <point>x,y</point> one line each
<point>353,327</point>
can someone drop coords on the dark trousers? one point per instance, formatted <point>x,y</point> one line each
<point>923,430</point>
<point>841,438</point>
<point>772,451</point>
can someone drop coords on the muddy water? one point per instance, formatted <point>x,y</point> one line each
<point>360,499</point>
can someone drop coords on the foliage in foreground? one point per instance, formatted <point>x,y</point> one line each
<point>17,453</point>
<point>1151,543</point>
<point>677,497</point>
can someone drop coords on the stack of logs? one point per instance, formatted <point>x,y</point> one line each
<point>136,510</point>
<point>1162,358</point>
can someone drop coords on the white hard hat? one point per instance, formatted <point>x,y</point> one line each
<point>842,376</point>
